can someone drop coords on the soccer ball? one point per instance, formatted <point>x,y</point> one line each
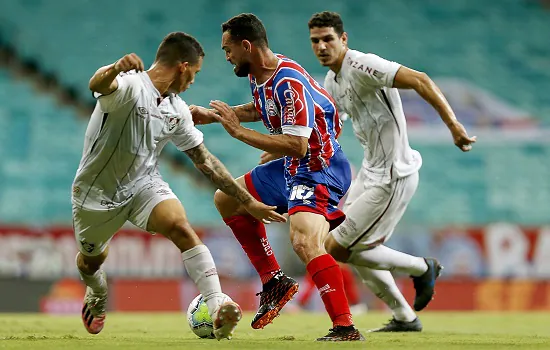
<point>199,319</point>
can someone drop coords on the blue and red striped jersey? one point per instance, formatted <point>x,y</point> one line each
<point>292,102</point>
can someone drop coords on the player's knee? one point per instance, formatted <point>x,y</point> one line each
<point>183,235</point>
<point>305,247</point>
<point>220,199</point>
<point>90,264</point>
<point>224,203</point>
<point>181,228</point>
<point>227,206</point>
<point>338,252</point>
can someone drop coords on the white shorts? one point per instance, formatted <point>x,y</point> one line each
<point>93,230</point>
<point>373,210</point>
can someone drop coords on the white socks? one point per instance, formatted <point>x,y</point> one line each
<point>96,282</point>
<point>201,268</point>
<point>384,258</point>
<point>382,284</point>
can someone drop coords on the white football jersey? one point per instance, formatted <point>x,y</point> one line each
<point>126,133</point>
<point>363,89</point>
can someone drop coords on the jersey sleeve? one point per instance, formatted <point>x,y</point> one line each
<point>375,71</point>
<point>296,106</point>
<point>128,89</point>
<point>186,136</point>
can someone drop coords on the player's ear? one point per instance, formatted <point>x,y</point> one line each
<point>344,38</point>
<point>183,66</point>
<point>247,45</point>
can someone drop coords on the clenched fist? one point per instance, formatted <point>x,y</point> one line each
<point>128,63</point>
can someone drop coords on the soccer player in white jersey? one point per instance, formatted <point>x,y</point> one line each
<point>364,87</point>
<point>136,115</point>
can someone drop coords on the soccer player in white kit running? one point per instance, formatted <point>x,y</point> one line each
<point>136,115</point>
<point>364,87</point>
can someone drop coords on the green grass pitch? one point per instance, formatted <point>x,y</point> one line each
<point>467,330</point>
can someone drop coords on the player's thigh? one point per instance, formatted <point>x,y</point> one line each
<point>363,216</point>
<point>94,230</point>
<point>356,189</point>
<point>404,193</point>
<point>307,233</point>
<point>227,205</point>
<point>381,224</point>
<point>266,183</point>
<point>155,208</point>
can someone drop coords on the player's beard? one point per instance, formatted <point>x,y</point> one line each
<point>242,70</point>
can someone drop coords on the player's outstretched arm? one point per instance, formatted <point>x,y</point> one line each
<point>104,79</point>
<point>407,78</point>
<point>246,113</point>
<point>216,172</point>
<point>288,145</point>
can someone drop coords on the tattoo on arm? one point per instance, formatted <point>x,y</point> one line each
<point>247,112</point>
<point>216,172</point>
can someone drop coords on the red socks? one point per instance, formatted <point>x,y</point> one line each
<point>306,292</point>
<point>327,276</point>
<point>350,286</point>
<point>251,235</point>
<point>324,270</point>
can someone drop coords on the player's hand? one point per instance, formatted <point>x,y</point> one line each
<point>263,212</point>
<point>202,115</point>
<point>268,157</point>
<point>227,117</point>
<point>461,138</point>
<point>128,63</point>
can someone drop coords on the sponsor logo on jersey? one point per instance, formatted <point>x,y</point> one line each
<point>76,191</point>
<point>293,105</point>
<point>364,68</point>
<point>163,192</point>
<point>270,108</point>
<point>275,131</point>
<point>172,122</point>
<point>142,111</point>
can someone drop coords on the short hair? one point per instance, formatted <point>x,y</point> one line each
<point>327,19</point>
<point>246,26</point>
<point>179,47</point>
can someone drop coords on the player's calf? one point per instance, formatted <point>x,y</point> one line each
<point>95,299</point>
<point>307,231</point>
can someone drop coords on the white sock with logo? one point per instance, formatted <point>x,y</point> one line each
<point>96,282</point>
<point>382,284</point>
<point>201,268</point>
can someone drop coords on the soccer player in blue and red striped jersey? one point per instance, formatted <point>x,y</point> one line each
<point>307,181</point>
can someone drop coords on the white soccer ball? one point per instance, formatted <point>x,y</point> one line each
<point>199,319</point>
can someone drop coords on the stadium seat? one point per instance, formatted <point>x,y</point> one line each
<point>496,50</point>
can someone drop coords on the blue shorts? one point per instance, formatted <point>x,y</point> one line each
<point>315,192</point>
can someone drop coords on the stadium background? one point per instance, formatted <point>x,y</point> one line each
<point>484,214</point>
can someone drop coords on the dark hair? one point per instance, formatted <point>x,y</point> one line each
<point>246,26</point>
<point>179,47</point>
<point>327,19</point>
